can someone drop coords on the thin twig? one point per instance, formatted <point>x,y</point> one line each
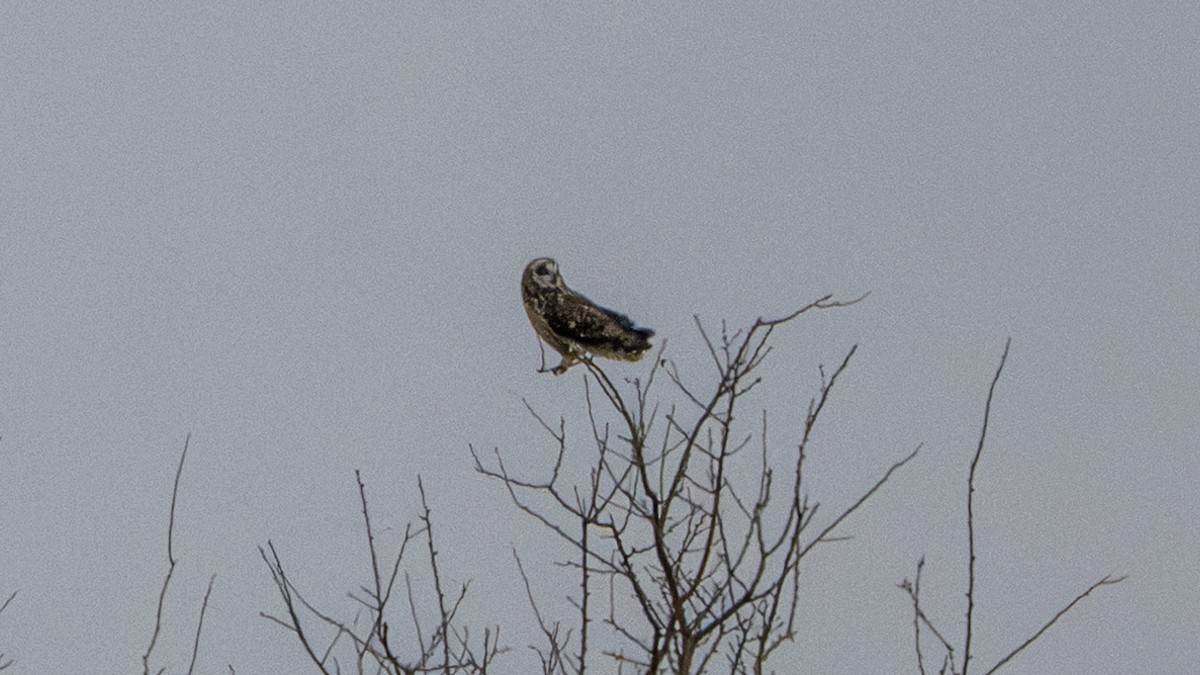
<point>380,595</point>
<point>3,663</point>
<point>284,585</point>
<point>825,302</point>
<point>914,590</point>
<point>162,595</point>
<point>444,627</point>
<point>200,624</point>
<point>823,536</point>
<point>987,413</point>
<point>1106,581</point>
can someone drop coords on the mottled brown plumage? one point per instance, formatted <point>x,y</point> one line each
<point>572,324</point>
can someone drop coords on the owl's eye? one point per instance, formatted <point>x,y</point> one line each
<point>543,270</point>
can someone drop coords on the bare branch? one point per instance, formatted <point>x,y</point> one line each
<point>987,413</point>
<point>381,591</point>
<point>913,588</point>
<point>1106,581</point>
<point>200,624</point>
<point>823,536</point>
<point>553,660</point>
<point>825,302</point>
<point>437,579</point>
<point>171,561</point>
<point>286,592</point>
<point>4,664</point>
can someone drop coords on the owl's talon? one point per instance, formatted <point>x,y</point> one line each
<point>562,367</point>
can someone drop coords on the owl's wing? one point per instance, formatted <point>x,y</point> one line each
<point>596,328</point>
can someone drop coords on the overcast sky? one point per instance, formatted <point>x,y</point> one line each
<point>296,230</point>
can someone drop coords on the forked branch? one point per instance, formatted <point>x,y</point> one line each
<point>447,649</point>
<point>172,561</point>
<point>913,588</point>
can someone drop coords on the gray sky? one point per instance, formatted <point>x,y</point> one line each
<point>296,231</point>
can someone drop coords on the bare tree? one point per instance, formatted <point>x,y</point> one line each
<point>690,543</point>
<point>443,644</point>
<point>913,587</point>
<point>686,530</point>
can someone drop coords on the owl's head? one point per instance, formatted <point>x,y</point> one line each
<point>542,274</point>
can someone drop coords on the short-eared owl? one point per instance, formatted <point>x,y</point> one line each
<point>574,325</point>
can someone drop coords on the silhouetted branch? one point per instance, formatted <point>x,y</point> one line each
<point>162,595</point>
<point>437,579</point>
<point>449,649</point>
<point>824,535</point>
<point>172,561</point>
<point>553,660</point>
<point>382,591</point>
<point>1106,581</point>
<point>3,663</point>
<point>200,624</point>
<point>284,586</point>
<point>913,588</point>
<point>987,413</point>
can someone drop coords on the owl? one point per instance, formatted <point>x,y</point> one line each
<point>573,325</point>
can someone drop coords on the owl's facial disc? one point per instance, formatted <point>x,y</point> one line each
<point>546,272</point>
